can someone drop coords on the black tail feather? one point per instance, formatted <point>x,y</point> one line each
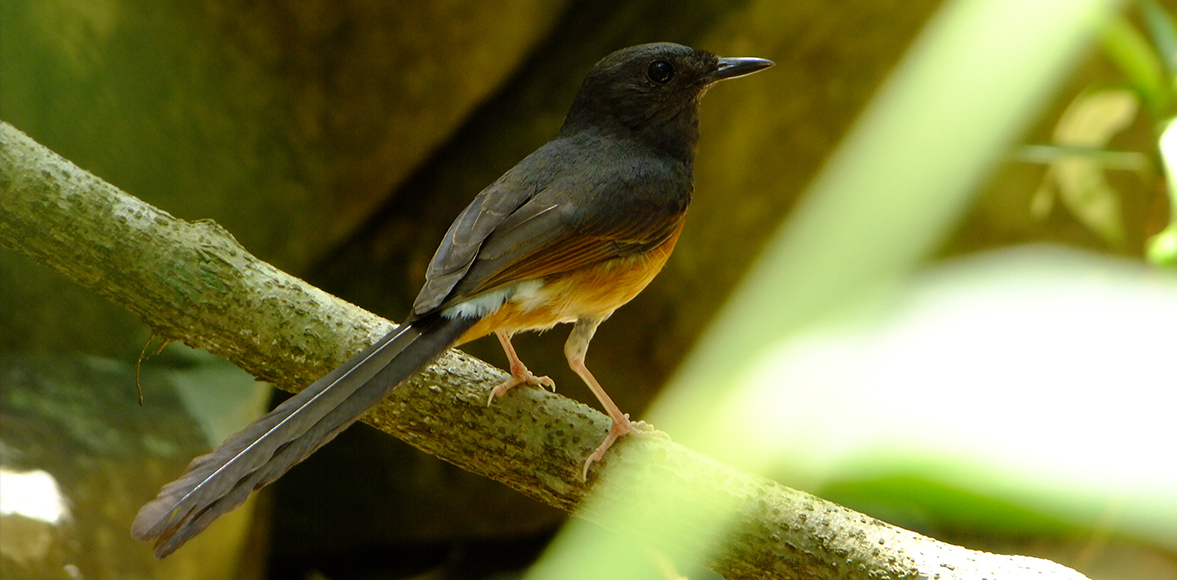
<point>219,482</point>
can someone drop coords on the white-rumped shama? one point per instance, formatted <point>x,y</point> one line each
<point>571,233</point>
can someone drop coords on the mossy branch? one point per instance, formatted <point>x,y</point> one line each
<point>194,283</point>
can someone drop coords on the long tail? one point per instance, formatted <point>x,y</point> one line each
<point>221,481</point>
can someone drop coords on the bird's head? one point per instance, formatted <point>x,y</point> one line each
<point>651,92</point>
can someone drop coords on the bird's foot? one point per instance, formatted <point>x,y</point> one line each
<point>617,431</point>
<point>519,376</point>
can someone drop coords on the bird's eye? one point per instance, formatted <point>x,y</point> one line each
<point>660,72</point>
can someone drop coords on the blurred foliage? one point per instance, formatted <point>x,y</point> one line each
<point>1020,396</point>
<point>1146,56</point>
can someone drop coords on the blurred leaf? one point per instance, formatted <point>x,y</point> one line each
<point>1091,121</point>
<point>1137,60</point>
<point>1106,158</point>
<point>1042,202</point>
<point>1164,35</point>
<point>899,181</point>
<point>926,503</point>
<point>1161,249</point>
<point>1037,378</point>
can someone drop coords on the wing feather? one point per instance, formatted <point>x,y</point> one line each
<point>539,221</point>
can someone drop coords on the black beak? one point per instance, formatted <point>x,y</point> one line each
<point>730,68</point>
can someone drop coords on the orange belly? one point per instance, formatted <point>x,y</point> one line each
<point>595,292</point>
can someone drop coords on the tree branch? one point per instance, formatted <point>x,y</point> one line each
<point>193,282</point>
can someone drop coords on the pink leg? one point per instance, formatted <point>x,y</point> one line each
<point>575,350</point>
<point>519,373</point>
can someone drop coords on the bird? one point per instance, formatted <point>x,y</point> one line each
<point>568,235</point>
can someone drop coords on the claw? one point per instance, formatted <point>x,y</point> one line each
<point>618,430</point>
<point>523,378</point>
<point>519,373</point>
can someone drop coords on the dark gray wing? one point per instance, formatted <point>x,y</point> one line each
<point>545,217</point>
<point>458,249</point>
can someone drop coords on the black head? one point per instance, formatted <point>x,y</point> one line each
<point>651,92</point>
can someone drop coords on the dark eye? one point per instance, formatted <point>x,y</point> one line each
<point>660,72</point>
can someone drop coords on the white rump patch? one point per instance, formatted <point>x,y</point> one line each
<point>489,302</point>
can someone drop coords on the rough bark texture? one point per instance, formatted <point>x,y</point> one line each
<point>193,282</point>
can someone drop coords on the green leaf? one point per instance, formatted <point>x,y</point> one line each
<point>1091,120</point>
<point>1164,34</point>
<point>1137,60</point>
<point>1162,248</point>
<point>1106,158</point>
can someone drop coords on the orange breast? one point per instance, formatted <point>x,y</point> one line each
<point>595,291</point>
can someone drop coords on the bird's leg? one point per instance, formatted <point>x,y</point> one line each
<point>575,350</point>
<point>519,373</point>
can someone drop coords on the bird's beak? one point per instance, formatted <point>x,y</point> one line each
<point>730,68</point>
